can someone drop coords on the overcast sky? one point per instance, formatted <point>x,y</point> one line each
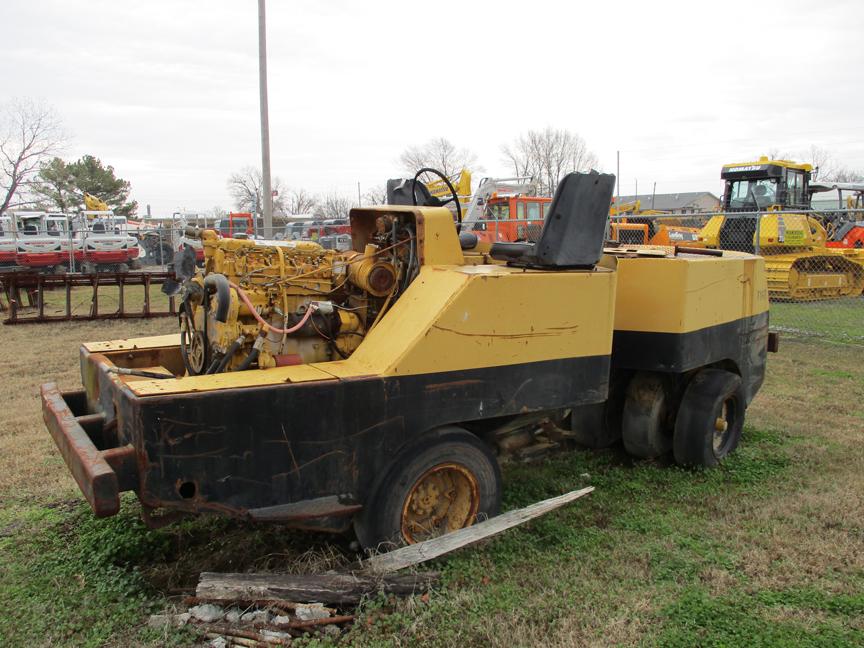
<point>167,91</point>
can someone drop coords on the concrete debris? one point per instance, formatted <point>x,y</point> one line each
<point>233,616</point>
<point>162,620</point>
<point>281,620</point>
<point>275,634</point>
<point>311,612</point>
<point>218,642</point>
<point>256,616</point>
<point>207,612</point>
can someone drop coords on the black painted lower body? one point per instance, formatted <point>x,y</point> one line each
<point>741,345</point>
<point>239,451</point>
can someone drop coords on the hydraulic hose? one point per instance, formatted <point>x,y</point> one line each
<point>219,284</point>
<point>245,299</point>
<point>253,354</point>
<point>220,367</point>
<point>248,360</point>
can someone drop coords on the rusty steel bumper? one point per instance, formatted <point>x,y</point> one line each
<point>101,469</point>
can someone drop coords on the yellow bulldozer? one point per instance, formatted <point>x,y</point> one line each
<point>766,205</point>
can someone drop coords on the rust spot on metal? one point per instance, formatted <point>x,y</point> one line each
<point>435,387</point>
<point>89,466</point>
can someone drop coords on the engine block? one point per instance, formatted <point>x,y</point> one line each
<point>275,303</point>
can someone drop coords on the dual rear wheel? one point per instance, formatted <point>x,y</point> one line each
<point>701,428</point>
<point>451,479</point>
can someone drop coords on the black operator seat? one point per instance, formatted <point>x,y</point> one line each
<point>399,193</point>
<point>574,229</point>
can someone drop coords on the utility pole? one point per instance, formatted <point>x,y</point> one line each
<point>359,201</point>
<point>266,191</point>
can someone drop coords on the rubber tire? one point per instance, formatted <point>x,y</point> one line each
<point>135,264</point>
<point>378,526</point>
<point>59,269</point>
<point>646,428</point>
<point>700,407</point>
<point>121,268</point>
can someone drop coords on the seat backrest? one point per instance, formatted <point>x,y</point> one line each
<point>399,193</point>
<point>575,225</point>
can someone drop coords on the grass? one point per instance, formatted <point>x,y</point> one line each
<point>765,551</point>
<point>81,298</point>
<point>840,320</point>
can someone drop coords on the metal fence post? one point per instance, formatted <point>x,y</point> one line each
<point>756,244</point>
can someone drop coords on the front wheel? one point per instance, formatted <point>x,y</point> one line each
<point>446,482</point>
<point>710,418</point>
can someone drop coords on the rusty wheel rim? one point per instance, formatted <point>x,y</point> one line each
<point>444,499</point>
<point>722,424</point>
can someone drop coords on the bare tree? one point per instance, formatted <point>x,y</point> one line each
<point>245,187</point>
<point>548,155</point>
<point>376,195</point>
<point>845,174</point>
<point>300,201</point>
<point>333,205</point>
<point>30,133</point>
<point>821,159</point>
<point>439,153</point>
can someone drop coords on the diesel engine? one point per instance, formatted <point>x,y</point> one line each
<point>274,303</point>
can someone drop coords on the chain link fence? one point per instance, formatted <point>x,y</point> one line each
<point>814,260</point>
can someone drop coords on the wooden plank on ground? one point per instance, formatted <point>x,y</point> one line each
<point>333,589</point>
<point>415,554</point>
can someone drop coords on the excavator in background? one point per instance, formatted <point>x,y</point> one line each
<point>846,232</point>
<point>506,210</point>
<point>461,183</point>
<point>499,210</point>
<point>102,239</point>
<point>632,225</point>
<point>771,197</point>
<point>7,241</point>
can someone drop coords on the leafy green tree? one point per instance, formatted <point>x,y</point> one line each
<point>65,183</point>
<point>54,185</point>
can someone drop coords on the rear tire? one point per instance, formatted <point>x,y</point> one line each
<point>446,481</point>
<point>646,427</point>
<point>710,419</point>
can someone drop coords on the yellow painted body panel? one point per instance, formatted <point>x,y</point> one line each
<point>492,316</point>
<point>153,342</point>
<point>688,293</point>
<point>789,164</point>
<point>778,231</point>
<point>455,318</point>
<point>230,380</point>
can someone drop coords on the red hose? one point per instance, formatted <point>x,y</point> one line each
<point>245,298</point>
